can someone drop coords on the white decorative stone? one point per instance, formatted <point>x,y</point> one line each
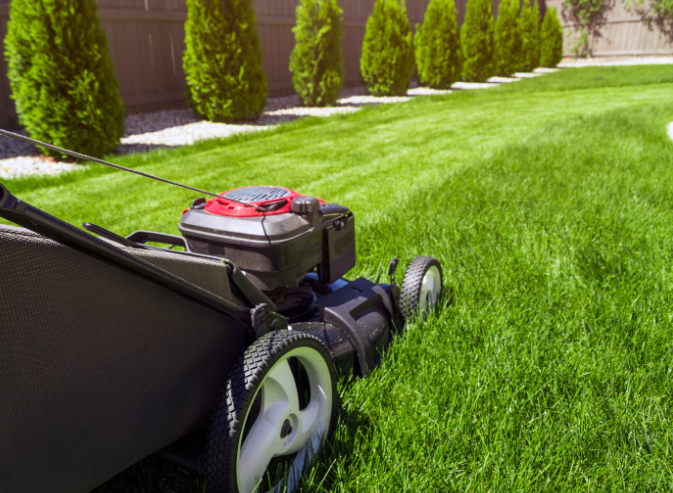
<point>501,80</point>
<point>473,85</point>
<point>526,75</point>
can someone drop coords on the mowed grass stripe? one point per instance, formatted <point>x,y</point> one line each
<point>365,159</point>
<point>550,367</point>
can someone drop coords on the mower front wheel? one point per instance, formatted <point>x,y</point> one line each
<point>276,410</point>
<point>422,287</point>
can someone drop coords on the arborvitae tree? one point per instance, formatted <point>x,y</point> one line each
<point>530,37</point>
<point>438,55</point>
<point>507,39</point>
<point>317,60</point>
<point>62,77</point>
<point>387,61</point>
<point>551,39</point>
<point>476,38</point>
<point>223,60</point>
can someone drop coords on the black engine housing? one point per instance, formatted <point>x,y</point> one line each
<point>278,250</point>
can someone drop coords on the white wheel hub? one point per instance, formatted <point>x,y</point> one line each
<point>282,428</point>
<point>431,288</point>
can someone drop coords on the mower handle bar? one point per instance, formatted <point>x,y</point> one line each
<point>40,222</point>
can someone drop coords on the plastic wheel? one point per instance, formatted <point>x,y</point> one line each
<point>422,286</point>
<point>278,406</point>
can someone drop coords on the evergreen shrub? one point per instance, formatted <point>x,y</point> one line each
<point>317,59</point>
<point>223,60</point>
<point>476,38</point>
<point>61,76</point>
<point>530,37</point>
<point>387,61</point>
<point>507,39</point>
<point>438,54</point>
<point>551,39</point>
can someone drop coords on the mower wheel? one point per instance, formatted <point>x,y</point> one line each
<point>277,408</point>
<point>422,286</point>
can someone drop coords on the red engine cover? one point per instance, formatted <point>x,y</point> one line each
<point>264,196</point>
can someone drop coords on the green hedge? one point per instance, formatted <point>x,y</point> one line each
<point>61,76</point>
<point>476,37</point>
<point>551,39</point>
<point>317,59</point>
<point>530,37</point>
<point>223,60</point>
<point>507,39</point>
<point>387,62</point>
<point>439,57</point>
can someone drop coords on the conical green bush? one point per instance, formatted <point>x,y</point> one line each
<point>317,59</point>
<point>387,61</point>
<point>551,39</point>
<point>438,54</point>
<point>61,76</point>
<point>223,60</point>
<point>476,38</point>
<point>529,23</point>
<point>507,39</point>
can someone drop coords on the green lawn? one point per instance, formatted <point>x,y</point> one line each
<point>550,204</point>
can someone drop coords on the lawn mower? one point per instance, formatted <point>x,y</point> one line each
<point>218,350</point>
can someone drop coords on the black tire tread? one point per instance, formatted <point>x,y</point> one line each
<point>413,280</point>
<point>236,397</point>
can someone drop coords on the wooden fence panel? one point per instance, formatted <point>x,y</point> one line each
<point>625,32</point>
<point>275,20</point>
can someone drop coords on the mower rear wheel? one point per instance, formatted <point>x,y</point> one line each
<point>276,410</point>
<point>422,287</point>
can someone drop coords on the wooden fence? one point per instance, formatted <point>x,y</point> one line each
<point>622,32</point>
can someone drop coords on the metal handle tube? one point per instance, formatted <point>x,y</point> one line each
<point>36,220</point>
<point>111,236</point>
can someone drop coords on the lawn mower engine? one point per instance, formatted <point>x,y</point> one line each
<point>277,242</point>
<point>295,249</point>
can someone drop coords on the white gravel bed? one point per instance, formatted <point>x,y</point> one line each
<point>501,80</point>
<point>188,134</point>
<point>473,85</point>
<point>545,70</point>
<point>202,130</point>
<point>307,111</point>
<point>15,167</point>
<point>362,100</point>
<point>426,91</point>
<point>526,75</point>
